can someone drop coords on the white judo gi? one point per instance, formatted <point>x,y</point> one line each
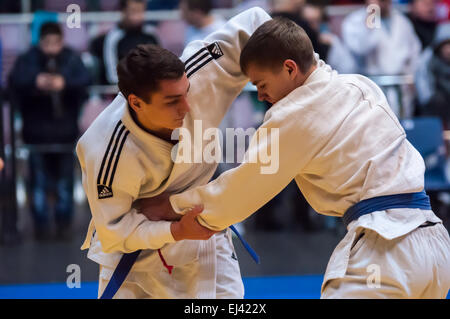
<point>342,143</point>
<point>121,163</point>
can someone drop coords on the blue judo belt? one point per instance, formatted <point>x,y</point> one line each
<point>127,261</point>
<point>367,206</point>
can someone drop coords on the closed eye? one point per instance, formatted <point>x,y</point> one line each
<point>174,102</point>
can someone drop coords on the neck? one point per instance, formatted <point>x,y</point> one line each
<point>163,133</point>
<point>302,79</point>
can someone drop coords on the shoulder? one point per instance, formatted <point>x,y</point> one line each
<point>110,159</point>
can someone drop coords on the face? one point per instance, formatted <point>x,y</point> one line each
<point>51,44</point>
<point>287,5</point>
<point>444,52</point>
<point>313,16</point>
<point>167,108</point>
<point>424,9</point>
<point>190,16</point>
<point>134,13</point>
<point>272,85</point>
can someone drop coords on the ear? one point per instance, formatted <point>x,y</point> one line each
<point>291,67</point>
<point>135,102</point>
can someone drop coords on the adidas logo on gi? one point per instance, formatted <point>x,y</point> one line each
<point>104,191</point>
<point>215,50</point>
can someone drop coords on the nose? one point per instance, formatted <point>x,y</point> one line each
<point>261,96</point>
<point>184,106</point>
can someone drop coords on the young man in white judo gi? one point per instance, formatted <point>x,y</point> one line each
<point>125,155</point>
<point>348,153</point>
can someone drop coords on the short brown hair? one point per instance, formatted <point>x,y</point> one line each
<point>141,70</point>
<point>274,42</point>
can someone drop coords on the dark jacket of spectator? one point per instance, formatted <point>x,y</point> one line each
<point>319,48</point>
<point>49,117</point>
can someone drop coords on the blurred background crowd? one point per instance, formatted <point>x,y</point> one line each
<point>56,78</point>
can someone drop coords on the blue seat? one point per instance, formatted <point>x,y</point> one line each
<point>426,135</point>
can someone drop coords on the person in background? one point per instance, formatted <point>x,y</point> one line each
<point>423,18</point>
<point>197,14</point>
<point>383,42</point>
<point>337,55</point>
<point>292,9</point>
<point>433,77</point>
<point>109,48</point>
<point>48,84</point>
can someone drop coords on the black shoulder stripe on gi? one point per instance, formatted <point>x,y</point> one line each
<point>112,155</point>
<point>202,57</point>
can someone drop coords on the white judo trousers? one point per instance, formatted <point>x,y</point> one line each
<point>341,142</point>
<point>415,265</point>
<point>223,277</point>
<point>121,162</point>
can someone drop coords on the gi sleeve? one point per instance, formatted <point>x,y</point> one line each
<point>212,64</point>
<point>239,192</point>
<point>119,226</point>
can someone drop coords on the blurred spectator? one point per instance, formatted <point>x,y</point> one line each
<point>336,54</point>
<point>109,48</point>
<point>292,9</point>
<point>384,42</point>
<point>424,20</point>
<point>162,4</point>
<point>443,10</point>
<point>197,14</point>
<point>1,164</point>
<point>433,77</point>
<point>48,85</point>
<point>10,6</point>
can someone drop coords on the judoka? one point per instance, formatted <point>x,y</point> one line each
<point>125,155</point>
<point>348,153</point>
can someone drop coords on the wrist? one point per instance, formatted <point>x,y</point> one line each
<point>175,230</point>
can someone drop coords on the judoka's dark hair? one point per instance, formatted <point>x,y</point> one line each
<point>50,28</point>
<point>274,42</point>
<point>141,70</point>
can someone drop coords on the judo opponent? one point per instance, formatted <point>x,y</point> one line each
<point>341,142</point>
<point>126,155</point>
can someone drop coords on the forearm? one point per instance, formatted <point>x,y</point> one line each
<point>134,232</point>
<point>239,192</point>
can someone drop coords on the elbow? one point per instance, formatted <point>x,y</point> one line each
<point>111,243</point>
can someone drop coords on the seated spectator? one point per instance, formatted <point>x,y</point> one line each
<point>423,17</point>
<point>109,48</point>
<point>48,84</point>
<point>433,77</point>
<point>384,42</point>
<point>197,14</point>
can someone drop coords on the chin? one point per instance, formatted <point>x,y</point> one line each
<point>177,124</point>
